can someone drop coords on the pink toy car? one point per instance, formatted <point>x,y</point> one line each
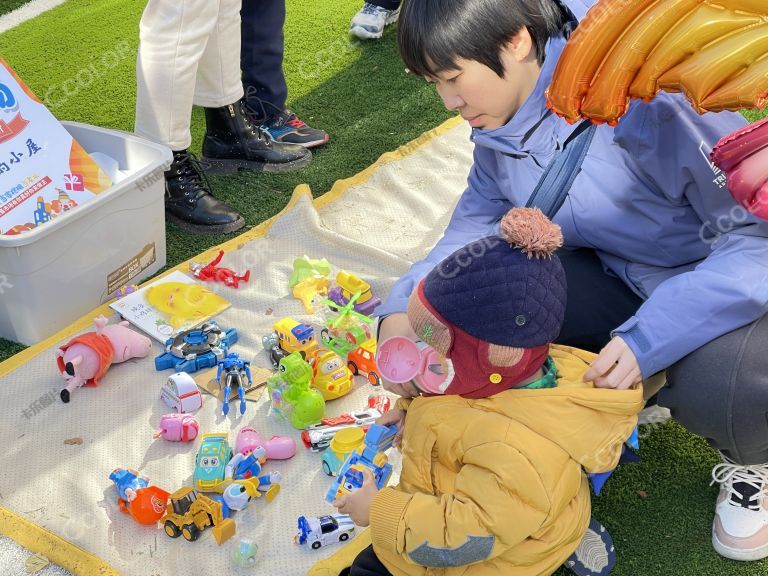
<point>177,428</point>
<point>277,447</point>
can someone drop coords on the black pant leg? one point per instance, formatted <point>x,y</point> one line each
<point>367,564</point>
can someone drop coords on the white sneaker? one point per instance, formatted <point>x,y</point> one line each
<point>370,21</point>
<point>740,529</point>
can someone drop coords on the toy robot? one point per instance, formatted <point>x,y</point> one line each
<point>235,371</point>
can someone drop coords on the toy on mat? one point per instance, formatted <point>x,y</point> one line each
<point>352,288</point>
<point>180,393</point>
<point>211,272</point>
<point>319,436</point>
<point>211,463</point>
<point>290,336</point>
<point>743,156</point>
<point>362,361</point>
<point>145,503</point>
<point>309,290</point>
<point>189,513</point>
<point>235,371</point>
<point>244,552</point>
<point>305,267</point>
<point>343,443</point>
<point>184,303</point>
<point>400,359</point>
<point>291,395</point>
<point>193,350</point>
<point>322,530</point>
<point>125,290</point>
<point>372,456</point>
<point>177,428</point>
<point>249,468</point>
<point>330,375</point>
<point>276,448</point>
<point>85,359</point>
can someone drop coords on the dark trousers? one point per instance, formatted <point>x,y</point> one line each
<point>719,391</point>
<point>386,4</point>
<point>367,564</point>
<point>261,55</point>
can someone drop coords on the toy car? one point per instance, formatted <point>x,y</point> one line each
<point>343,444</point>
<point>211,463</point>
<point>180,393</point>
<point>330,375</point>
<point>319,531</point>
<point>319,436</point>
<point>290,336</point>
<point>193,350</point>
<point>348,286</point>
<point>362,361</point>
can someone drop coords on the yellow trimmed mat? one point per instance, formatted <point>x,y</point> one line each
<point>55,496</point>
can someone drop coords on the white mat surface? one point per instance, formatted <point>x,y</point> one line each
<point>375,230</point>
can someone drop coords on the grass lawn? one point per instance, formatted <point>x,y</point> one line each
<point>8,5</point>
<point>659,511</point>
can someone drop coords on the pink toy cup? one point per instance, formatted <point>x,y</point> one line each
<point>177,428</point>
<point>400,359</point>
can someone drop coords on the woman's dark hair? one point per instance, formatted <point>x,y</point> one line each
<point>432,34</point>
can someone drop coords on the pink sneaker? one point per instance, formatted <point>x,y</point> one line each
<point>740,529</point>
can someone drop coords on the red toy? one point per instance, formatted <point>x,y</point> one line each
<point>211,273</point>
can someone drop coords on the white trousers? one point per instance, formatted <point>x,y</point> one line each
<point>189,52</point>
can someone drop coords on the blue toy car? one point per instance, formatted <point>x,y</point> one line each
<point>193,350</point>
<point>211,463</point>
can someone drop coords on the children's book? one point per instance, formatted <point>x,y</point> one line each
<point>170,305</point>
<point>44,172</point>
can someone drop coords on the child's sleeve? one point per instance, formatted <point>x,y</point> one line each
<point>476,215</point>
<point>498,501</point>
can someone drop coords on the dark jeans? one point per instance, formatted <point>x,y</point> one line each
<point>719,391</point>
<point>367,564</point>
<point>261,55</point>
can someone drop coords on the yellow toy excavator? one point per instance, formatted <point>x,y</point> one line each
<point>189,513</point>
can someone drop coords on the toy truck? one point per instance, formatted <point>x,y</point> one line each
<point>189,513</point>
<point>319,436</point>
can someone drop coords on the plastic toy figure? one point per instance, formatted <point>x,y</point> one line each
<point>324,530</point>
<point>248,467</point>
<point>331,376</point>
<point>177,428</point>
<point>290,336</point>
<point>276,448</point>
<point>145,503</point>
<point>211,272</point>
<point>291,395</point>
<point>235,371</point>
<point>85,359</point>
<point>211,463</point>
<point>377,440</point>
<point>354,289</point>
<point>193,350</point>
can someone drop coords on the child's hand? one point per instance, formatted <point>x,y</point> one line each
<point>393,416</point>
<point>358,503</point>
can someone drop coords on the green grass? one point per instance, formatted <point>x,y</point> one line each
<point>659,511</point>
<point>9,5</point>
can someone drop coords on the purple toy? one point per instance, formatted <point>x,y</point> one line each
<point>177,428</point>
<point>86,358</point>
<point>277,447</point>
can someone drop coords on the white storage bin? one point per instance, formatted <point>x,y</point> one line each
<point>52,275</point>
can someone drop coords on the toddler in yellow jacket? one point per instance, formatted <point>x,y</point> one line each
<point>494,456</point>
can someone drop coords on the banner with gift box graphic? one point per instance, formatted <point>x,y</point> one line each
<point>44,172</point>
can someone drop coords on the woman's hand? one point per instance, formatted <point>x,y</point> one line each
<point>615,367</point>
<point>398,325</point>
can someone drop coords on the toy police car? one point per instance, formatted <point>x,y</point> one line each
<point>322,530</point>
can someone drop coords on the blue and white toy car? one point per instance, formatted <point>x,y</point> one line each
<point>322,530</point>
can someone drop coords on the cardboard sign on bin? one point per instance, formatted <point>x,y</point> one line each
<point>44,172</point>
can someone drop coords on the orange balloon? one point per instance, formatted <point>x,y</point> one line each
<point>715,51</point>
<point>716,64</point>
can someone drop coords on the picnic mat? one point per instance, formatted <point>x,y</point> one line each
<point>55,495</point>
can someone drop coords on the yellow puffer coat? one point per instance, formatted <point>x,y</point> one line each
<point>497,485</point>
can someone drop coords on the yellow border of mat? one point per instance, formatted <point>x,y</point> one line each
<point>72,557</point>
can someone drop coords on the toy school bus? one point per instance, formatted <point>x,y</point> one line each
<point>292,336</point>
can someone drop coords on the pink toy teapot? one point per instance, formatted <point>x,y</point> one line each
<point>177,428</point>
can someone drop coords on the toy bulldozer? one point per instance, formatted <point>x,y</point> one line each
<point>189,513</point>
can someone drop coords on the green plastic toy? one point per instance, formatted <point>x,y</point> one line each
<point>291,394</point>
<point>305,267</point>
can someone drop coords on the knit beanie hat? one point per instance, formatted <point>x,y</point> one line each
<point>494,306</point>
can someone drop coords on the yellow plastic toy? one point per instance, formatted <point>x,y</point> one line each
<point>185,303</point>
<point>331,376</point>
<point>350,283</point>
<point>294,336</point>
<point>307,290</point>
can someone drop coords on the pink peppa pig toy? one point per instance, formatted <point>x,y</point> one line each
<point>277,447</point>
<point>86,358</point>
<point>177,428</point>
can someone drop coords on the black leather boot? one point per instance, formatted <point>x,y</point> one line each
<point>232,141</point>
<point>189,203</point>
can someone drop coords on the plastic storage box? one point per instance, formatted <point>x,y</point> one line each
<point>52,275</point>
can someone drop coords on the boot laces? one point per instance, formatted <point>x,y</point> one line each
<point>372,9</point>
<point>190,171</point>
<point>745,484</point>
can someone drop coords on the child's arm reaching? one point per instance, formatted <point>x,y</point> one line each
<point>498,501</point>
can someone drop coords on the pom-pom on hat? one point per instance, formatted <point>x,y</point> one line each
<point>508,290</point>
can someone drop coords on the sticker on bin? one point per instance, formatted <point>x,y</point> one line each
<point>44,172</point>
<point>123,275</point>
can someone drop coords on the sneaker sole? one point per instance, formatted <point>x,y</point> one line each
<point>220,166</point>
<point>364,34</point>
<point>595,555</point>
<point>738,554</point>
<point>203,230</point>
